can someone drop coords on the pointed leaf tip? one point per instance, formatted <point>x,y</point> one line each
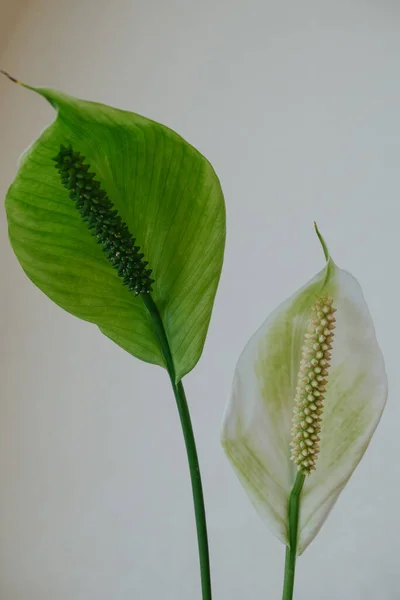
<point>10,77</point>
<point>18,82</point>
<point>322,241</point>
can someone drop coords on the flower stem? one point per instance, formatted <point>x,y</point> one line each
<point>291,550</point>
<point>194,468</point>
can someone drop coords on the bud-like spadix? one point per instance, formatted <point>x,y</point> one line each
<point>311,386</point>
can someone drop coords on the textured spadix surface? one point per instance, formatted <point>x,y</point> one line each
<point>256,432</point>
<point>311,385</point>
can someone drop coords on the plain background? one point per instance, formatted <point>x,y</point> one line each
<point>296,104</point>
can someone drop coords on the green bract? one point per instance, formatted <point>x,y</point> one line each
<point>257,426</point>
<point>166,193</point>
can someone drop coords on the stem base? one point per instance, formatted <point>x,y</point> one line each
<point>291,550</point>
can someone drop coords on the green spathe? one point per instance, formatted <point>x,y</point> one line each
<point>164,190</point>
<point>256,432</point>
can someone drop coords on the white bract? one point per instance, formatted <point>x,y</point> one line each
<point>263,417</point>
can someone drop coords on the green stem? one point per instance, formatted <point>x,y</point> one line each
<point>194,468</point>
<point>291,550</point>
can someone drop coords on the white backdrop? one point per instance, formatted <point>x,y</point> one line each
<point>296,104</point>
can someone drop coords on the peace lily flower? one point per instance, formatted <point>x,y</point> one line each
<point>308,392</point>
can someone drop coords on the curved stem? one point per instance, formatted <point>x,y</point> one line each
<point>194,468</point>
<point>291,550</point>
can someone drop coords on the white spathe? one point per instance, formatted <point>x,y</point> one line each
<point>256,432</point>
